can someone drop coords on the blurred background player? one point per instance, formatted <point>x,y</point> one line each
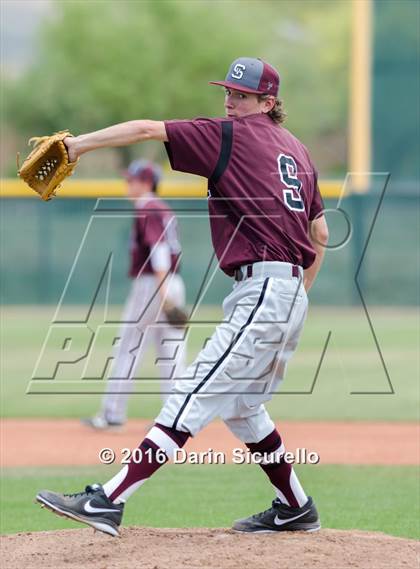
<point>154,263</point>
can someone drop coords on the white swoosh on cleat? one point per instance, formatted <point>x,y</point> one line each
<point>92,510</point>
<point>280,522</point>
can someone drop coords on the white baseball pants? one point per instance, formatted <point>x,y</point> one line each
<point>245,360</point>
<point>144,324</point>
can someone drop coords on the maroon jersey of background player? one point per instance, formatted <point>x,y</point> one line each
<point>276,186</point>
<point>154,223</point>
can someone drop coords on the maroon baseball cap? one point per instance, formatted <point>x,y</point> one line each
<point>144,170</point>
<point>251,76</point>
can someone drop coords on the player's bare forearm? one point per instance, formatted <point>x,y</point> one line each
<point>121,134</point>
<point>318,234</point>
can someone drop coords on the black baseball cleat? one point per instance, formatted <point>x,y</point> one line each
<point>281,518</point>
<point>91,507</point>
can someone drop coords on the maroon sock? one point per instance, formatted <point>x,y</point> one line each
<point>278,471</point>
<point>152,454</point>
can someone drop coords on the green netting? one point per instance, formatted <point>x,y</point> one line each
<point>40,244</point>
<point>396,90</point>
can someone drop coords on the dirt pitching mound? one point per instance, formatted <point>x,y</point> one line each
<point>203,548</point>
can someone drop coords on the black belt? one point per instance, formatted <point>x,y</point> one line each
<point>245,272</point>
<point>239,275</point>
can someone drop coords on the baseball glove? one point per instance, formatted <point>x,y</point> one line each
<point>47,165</point>
<point>176,316</point>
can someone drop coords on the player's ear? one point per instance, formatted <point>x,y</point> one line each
<point>269,104</point>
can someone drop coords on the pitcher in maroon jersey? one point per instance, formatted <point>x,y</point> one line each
<point>269,234</point>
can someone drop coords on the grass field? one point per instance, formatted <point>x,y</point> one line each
<point>370,498</point>
<point>351,363</point>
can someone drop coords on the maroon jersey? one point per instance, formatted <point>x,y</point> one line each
<point>262,188</point>
<point>154,223</point>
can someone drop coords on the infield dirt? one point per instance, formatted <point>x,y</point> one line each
<point>40,442</point>
<point>203,548</point>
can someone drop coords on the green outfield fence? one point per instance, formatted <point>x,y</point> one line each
<point>395,108</point>
<point>40,243</point>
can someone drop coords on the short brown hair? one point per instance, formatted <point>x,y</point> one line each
<point>277,113</point>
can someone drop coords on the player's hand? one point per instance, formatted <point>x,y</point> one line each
<point>70,143</point>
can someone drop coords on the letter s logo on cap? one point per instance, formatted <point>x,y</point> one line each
<point>238,71</point>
